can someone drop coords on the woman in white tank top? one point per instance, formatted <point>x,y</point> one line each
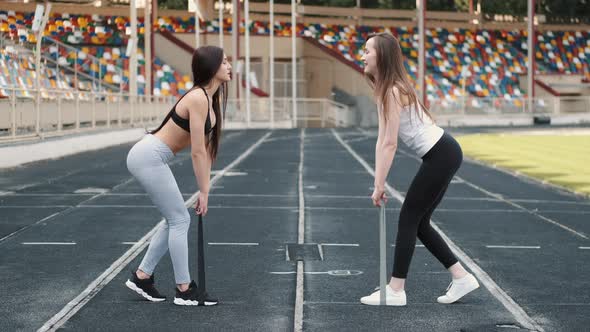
<point>401,114</point>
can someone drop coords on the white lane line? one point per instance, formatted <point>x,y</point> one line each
<point>129,243</point>
<point>339,196</point>
<point>134,206</point>
<point>417,246</point>
<point>458,198</point>
<point>549,220</point>
<point>231,173</point>
<point>59,177</point>
<point>36,206</point>
<point>298,319</point>
<point>584,248</point>
<point>521,316</point>
<point>94,287</point>
<point>250,195</point>
<point>512,247</point>
<point>252,207</point>
<point>287,137</point>
<point>233,243</point>
<point>340,244</point>
<point>91,190</point>
<point>512,203</point>
<point>522,200</point>
<point>49,243</point>
<point>13,194</point>
<point>66,208</point>
<point>358,139</point>
<point>27,227</point>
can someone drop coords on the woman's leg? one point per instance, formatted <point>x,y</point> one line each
<point>423,192</point>
<point>432,240</point>
<point>163,190</point>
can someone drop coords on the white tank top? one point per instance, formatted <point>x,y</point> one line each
<point>418,131</point>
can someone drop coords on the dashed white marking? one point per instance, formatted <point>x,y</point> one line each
<point>250,195</point>
<point>231,173</point>
<point>358,139</point>
<point>331,272</point>
<point>340,244</point>
<point>233,244</point>
<point>35,206</point>
<point>584,248</point>
<point>49,243</point>
<point>512,247</point>
<point>91,190</point>
<point>97,206</point>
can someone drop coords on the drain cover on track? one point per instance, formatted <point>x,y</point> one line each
<point>304,252</point>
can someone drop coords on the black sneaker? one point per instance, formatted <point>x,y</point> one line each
<point>192,296</point>
<point>145,288</point>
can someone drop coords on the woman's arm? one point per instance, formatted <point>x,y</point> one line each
<point>386,145</point>
<point>197,106</point>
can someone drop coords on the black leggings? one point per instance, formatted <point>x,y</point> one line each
<point>439,166</point>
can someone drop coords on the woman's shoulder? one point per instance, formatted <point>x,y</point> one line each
<point>194,100</point>
<point>402,98</point>
<point>196,94</point>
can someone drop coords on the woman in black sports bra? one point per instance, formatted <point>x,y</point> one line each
<point>196,122</point>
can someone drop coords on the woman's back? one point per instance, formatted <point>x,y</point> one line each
<point>176,137</point>
<point>417,130</point>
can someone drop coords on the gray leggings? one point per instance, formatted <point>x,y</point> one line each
<point>148,162</point>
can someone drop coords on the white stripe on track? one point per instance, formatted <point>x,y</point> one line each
<point>49,243</point>
<point>233,243</point>
<point>512,247</point>
<point>298,319</point>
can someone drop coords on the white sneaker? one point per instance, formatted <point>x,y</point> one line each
<point>459,288</point>
<point>391,298</point>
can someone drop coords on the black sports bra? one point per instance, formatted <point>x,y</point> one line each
<point>185,123</point>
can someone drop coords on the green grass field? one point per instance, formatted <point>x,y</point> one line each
<point>559,159</point>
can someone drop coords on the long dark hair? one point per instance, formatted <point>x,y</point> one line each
<point>205,64</point>
<point>392,73</point>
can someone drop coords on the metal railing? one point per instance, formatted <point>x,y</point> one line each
<point>517,106</point>
<point>61,112</point>
<point>311,112</point>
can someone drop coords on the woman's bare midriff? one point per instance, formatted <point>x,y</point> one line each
<point>175,137</point>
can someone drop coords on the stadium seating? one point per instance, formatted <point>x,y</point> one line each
<point>486,63</point>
